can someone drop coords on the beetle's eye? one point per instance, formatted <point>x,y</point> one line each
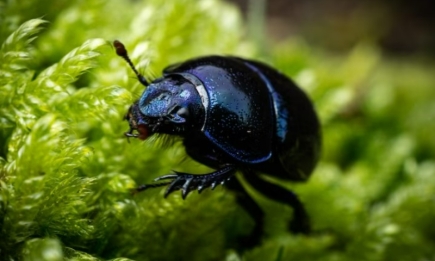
<point>183,112</point>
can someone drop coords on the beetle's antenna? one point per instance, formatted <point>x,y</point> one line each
<point>121,51</point>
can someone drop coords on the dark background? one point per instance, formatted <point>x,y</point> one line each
<point>399,27</point>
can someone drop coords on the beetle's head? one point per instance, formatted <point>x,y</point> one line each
<point>169,105</point>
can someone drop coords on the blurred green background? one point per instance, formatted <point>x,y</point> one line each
<point>66,170</point>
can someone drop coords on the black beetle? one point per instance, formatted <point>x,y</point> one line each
<point>233,115</point>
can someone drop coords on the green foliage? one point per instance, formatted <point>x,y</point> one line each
<point>66,170</point>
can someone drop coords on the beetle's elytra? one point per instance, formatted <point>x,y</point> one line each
<point>233,115</point>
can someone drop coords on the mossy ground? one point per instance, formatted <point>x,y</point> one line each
<point>66,170</point>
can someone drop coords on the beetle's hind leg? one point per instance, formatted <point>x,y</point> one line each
<point>188,182</point>
<point>249,205</point>
<point>301,222</point>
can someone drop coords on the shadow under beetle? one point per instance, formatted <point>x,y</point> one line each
<point>233,115</point>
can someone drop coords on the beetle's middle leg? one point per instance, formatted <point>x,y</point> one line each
<point>301,221</point>
<point>188,182</point>
<point>249,205</point>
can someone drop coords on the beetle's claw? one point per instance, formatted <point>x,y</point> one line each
<point>170,176</point>
<point>213,185</point>
<point>186,188</point>
<point>188,182</point>
<point>147,186</point>
<point>181,181</point>
<point>171,188</point>
<point>200,188</point>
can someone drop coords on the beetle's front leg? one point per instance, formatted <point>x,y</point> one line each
<point>188,182</point>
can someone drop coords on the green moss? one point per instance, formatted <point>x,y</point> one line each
<point>66,170</point>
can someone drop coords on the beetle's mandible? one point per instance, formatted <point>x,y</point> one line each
<point>233,114</point>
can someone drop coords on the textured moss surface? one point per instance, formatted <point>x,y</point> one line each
<point>66,170</point>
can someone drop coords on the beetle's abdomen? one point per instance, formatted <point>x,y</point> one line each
<point>240,116</point>
<point>297,136</point>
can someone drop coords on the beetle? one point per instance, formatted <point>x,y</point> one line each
<point>233,114</point>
